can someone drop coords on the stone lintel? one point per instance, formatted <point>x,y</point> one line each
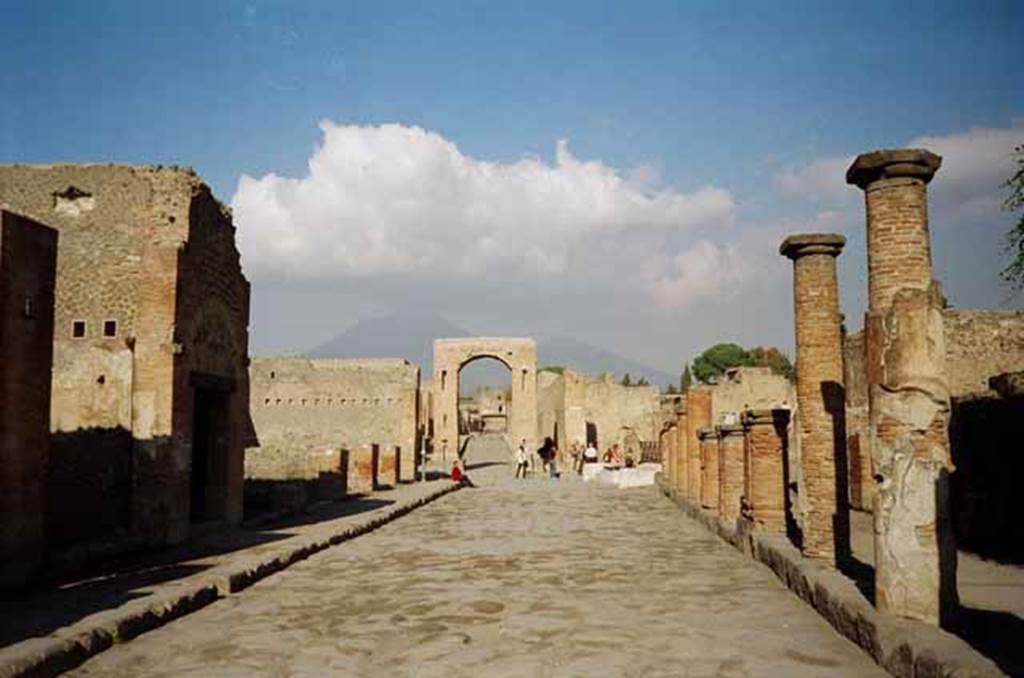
<point>802,244</point>
<point>774,417</point>
<point>730,430</point>
<point>913,163</point>
<point>706,432</point>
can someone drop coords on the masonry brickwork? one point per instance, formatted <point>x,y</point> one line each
<point>28,266</point>
<point>764,458</point>
<point>909,402</point>
<point>698,416</point>
<point>680,458</point>
<point>820,396</point>
<point>518,354</point>
<point>572,407</point>
<point>730,470</point>
<point>149,408</point>
<point>302,407</point>
<point>708,437</point>
<point>749,388</point>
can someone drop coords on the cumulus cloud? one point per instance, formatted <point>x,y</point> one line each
<point>393,199</point>
<point>975,163</point>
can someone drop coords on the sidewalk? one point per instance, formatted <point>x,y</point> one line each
<point>991,598</point>
<point>52,630</point>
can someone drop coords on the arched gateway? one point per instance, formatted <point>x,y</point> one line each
<point>451,355</point>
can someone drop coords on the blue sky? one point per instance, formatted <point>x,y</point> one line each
<point>734,96</point>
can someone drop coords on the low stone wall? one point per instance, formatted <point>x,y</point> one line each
<point>287,481</point>
<point>903,647</point>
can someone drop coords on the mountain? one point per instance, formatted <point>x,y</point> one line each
<point>411,336</point>
<point>584,357</point>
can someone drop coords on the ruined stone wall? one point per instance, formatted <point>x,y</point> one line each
<point>749,388</point>
<point>28,263</point>
<point>300,406</point>
<point>574,400</point>
<point>147,274</point>
<point>979,344</point>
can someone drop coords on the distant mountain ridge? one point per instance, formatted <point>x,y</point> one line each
<point>411,336</point>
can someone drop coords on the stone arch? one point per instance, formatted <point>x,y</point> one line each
<point>451,355</point>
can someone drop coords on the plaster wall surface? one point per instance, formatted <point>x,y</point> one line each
<point>301,407</point>
<point>28,263</point>
<point>151,310</point>
<point>749,388</point>
<point>571,401</point>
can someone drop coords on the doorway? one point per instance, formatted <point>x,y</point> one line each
<point>208,482</point>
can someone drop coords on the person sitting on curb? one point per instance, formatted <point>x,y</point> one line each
<point>459,476</point>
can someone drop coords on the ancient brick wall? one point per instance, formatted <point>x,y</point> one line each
<point>981,344</point>
<point>572,401</point>
<point>749,388</point>
<point>301,406</point>
<point>28,263</point>
<point>147,274</point>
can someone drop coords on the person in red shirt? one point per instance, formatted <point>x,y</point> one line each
<point>459,476</point>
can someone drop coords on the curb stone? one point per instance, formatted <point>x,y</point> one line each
<point>903,647</point>
<point>73,645</point>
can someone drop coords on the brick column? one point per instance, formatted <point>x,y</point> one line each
<point>730,470</point>
<point>764,458</point>
<point>670,452</point>
<point>709,467</point>
<point>698,415</point>
<point>679,468</point>
<point>820,396</point>
<point>908,396</point>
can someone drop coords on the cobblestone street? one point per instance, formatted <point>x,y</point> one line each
<point>513,578</point>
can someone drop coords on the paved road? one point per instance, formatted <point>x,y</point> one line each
<point>514,578</point>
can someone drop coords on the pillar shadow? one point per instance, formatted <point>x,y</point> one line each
<point>833,396</point>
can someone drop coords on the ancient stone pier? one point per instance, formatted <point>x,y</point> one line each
<point>820,396</point>
<point>363,469</point>
<point>908,395</point>
<point>679,461</point>
<point>28,264</point>
<point>698,415</point>
<point>709,467</point>
<point>730,470</point>
<point>764,455</point>
<point>671,449</point>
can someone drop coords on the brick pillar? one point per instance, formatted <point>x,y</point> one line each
<point>908,396</point>
<point>820,396</point>
<point>698,415</point>
<point>764,459</point>
<point>730,470</point>
<point>709,467</point>
<point>670,452</point>
<point>679,469</point>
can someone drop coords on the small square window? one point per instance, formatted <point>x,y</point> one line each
<point>109,328</point>
<point>78,329</point>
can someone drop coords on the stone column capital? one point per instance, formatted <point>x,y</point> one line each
<point>706,432</point>
<point>776,417</point>
<point>913,163</point>
<point>729,430</point>
<point>802,244</point>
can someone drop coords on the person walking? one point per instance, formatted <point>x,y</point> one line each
<point>522,460</point>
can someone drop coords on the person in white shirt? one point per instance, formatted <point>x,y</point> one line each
<point>522,460</point>
<point>590,454</point>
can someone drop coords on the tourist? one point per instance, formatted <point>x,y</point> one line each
<point>590,454</point>
<point>459,476</point>
<point>576,456</point>
<point>522,460</point>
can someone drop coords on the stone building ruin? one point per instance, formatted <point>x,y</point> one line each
<point>28,266</point>
<point>149,405</point>
<point>519,355</point>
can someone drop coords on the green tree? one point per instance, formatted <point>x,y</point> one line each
<point>685,379</point>
<point>671,390</point>
<point>1013,274</point>
<point>626,381</point>
<point>769,356</point>
<point>710,364</point>
<point>643,382</point>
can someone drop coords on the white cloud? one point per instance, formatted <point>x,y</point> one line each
<point>392,199</point>
<point>975,164</point>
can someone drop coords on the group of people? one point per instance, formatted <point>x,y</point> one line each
<point>548,455</point>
